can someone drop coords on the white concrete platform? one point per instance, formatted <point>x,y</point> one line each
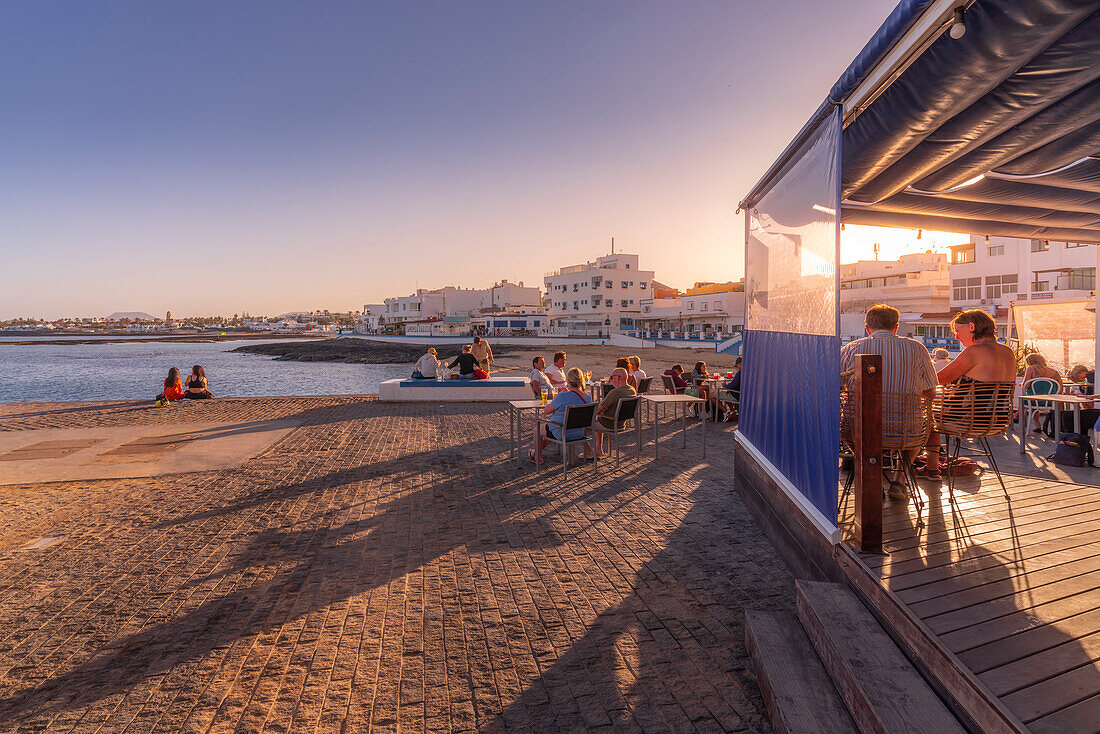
<point>455,391</point>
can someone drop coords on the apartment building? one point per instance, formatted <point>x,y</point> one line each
<point>422,304</point>
<point>707,308</point>
<point>997,271</point>
<point>914,284</point>
<point>502,296</point>
<point>598,298</point>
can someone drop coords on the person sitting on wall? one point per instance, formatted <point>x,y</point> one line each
<point>466,363</point>
<point>427,366</point>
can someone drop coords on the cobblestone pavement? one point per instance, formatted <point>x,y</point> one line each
<point>382,567</point>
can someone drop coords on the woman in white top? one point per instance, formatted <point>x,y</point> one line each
<point>427,365</point>
<point>636,367</point>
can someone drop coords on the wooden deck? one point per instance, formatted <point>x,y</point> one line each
<point>1008,585</point>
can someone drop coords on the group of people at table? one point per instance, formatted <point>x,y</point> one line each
<point>560,387</point>
<point>907,368</point>
<point>472,363</point>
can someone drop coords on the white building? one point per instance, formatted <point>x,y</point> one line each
<point>508,323</point>
<point>447,326</point>
<point>996,271</point>
<point>706,309</point>
<point>372,320</point>
<point>914,284</point>
<point>423,304</point>
<point>598,298</point>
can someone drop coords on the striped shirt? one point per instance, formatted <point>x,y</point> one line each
<point>906,364</point>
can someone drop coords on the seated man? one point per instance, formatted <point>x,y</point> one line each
<point>539,381</point>
<point>906,365</point>
<point>619,390</point>
<point>427,366</point>
<point>556,372</point>
<point>466,364</point>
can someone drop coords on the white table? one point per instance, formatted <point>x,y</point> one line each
<point>515,419</point>
<point>685,400</point>
<point>1074,401</point>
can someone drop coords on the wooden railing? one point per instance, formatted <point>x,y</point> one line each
<point>867,443</point>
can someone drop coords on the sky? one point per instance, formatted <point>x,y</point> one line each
<point>217,158</point>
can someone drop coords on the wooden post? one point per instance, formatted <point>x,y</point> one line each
<point>867,433</point>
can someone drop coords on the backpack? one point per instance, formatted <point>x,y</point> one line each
<point>1072,450</point>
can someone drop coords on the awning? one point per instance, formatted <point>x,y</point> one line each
<point>996,132</point>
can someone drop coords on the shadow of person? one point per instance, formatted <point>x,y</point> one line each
<point>670,654</point>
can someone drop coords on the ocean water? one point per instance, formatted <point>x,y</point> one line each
<point>47,372</point>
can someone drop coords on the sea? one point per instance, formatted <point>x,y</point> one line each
<point>136,371</point>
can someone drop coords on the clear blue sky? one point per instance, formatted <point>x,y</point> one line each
<point>267,156</point>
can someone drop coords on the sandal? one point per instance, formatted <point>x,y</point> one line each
<point>897,491</point>
<point>923,472</point>
<point>531,456</point>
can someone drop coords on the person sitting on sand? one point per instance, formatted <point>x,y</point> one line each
<point>466,363</point>
<point>173,387</point>
<point>427,366</point>
<point>196,385</point>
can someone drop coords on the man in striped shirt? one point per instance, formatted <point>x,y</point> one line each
<point>906,365</point>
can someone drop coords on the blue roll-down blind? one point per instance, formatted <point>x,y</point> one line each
<point>790,404</point>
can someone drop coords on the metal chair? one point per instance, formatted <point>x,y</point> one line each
<point>973,411</point>
<point>576,417</point>
<point>625,410</point>
<point>1033,408</point>
<point>643,385</point>
<point>605,388</point>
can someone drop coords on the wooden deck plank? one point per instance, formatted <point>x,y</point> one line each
<point>958,528</point>
<point>897,514</point>
<point>978,613</point>
<point>1031,641</point>
<point>1055,694</point>
<point>965,566</point>
<point>1080,717</point>
<point>1073,653</point>
<point>1001,583</point>
<point>1024,528</point>
<point>1020,621</point>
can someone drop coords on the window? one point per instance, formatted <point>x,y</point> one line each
<point>631,301</point>
<point>643,284</point>
<point>624,303</point>
<point>995,250</point>
<point>691,305</point>
<point>704,306</point>
<point>1039,286</point>
<point>628,266</point>
<point>717,305</point>
<point>1040,245</point>
<point>1076,244</point>
<point>609,283</point>
<point>1082,279</point>
<point>962,254</point>
<point>624,284</point>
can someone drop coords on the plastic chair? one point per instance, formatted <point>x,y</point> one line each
<point>576,416</point>
<point>625,410</point>
<point>973,411</point>
<point>1038,408</point>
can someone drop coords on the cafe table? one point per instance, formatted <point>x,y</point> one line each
<point>515,421</point>
<point>658,400</point>
<point>1073,401</point>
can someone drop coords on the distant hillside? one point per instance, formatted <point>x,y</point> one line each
<point>132,315</point>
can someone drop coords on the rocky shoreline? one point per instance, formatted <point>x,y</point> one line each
<point>363,351</point>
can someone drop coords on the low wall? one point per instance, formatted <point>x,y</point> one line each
<point>495,389</point>
<point>537,340</point>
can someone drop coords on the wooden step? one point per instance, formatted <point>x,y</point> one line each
<point>881,689</point>
<point>796,688</point>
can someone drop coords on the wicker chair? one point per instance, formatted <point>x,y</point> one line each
<point>906,421</point>
<point>973,411</point>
